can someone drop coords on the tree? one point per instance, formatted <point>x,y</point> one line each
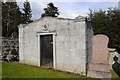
<point>11,18</point>
<point>51,10</point>
<point>107,22</point>
<point>27,12</point>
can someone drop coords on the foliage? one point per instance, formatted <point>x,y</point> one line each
<point>13,70</point>
<point>51,10</point>
<point>27,13</point>
<point>108,23</point>
<point>11,18</point>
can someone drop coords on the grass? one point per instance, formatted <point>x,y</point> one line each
<point>12,70</point>
<point>114,75</point>
<point>0,70</point>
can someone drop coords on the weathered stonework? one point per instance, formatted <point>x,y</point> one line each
<point>9,46</point>
<point>71,42</point>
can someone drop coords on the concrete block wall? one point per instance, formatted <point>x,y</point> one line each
<point>89,35</point>
<point>21,43</point>
<point>70,48</point>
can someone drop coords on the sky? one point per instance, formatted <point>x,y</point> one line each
<point>69,8</point>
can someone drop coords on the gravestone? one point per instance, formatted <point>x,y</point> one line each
<point>99,66</point>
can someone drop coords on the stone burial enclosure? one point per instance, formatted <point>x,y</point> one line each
<point>63,44</point>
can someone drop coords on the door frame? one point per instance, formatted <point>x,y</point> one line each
<point>54,51</point>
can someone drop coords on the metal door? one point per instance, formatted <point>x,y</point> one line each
<point>46,50</point>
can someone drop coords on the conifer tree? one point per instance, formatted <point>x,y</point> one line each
<point>107,22</point>
<point>27,12</point>
<point>51,10</point>
<point>11,18</point>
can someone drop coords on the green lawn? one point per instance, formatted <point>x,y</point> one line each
<point>13,70</point>
<point>114,75</point>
